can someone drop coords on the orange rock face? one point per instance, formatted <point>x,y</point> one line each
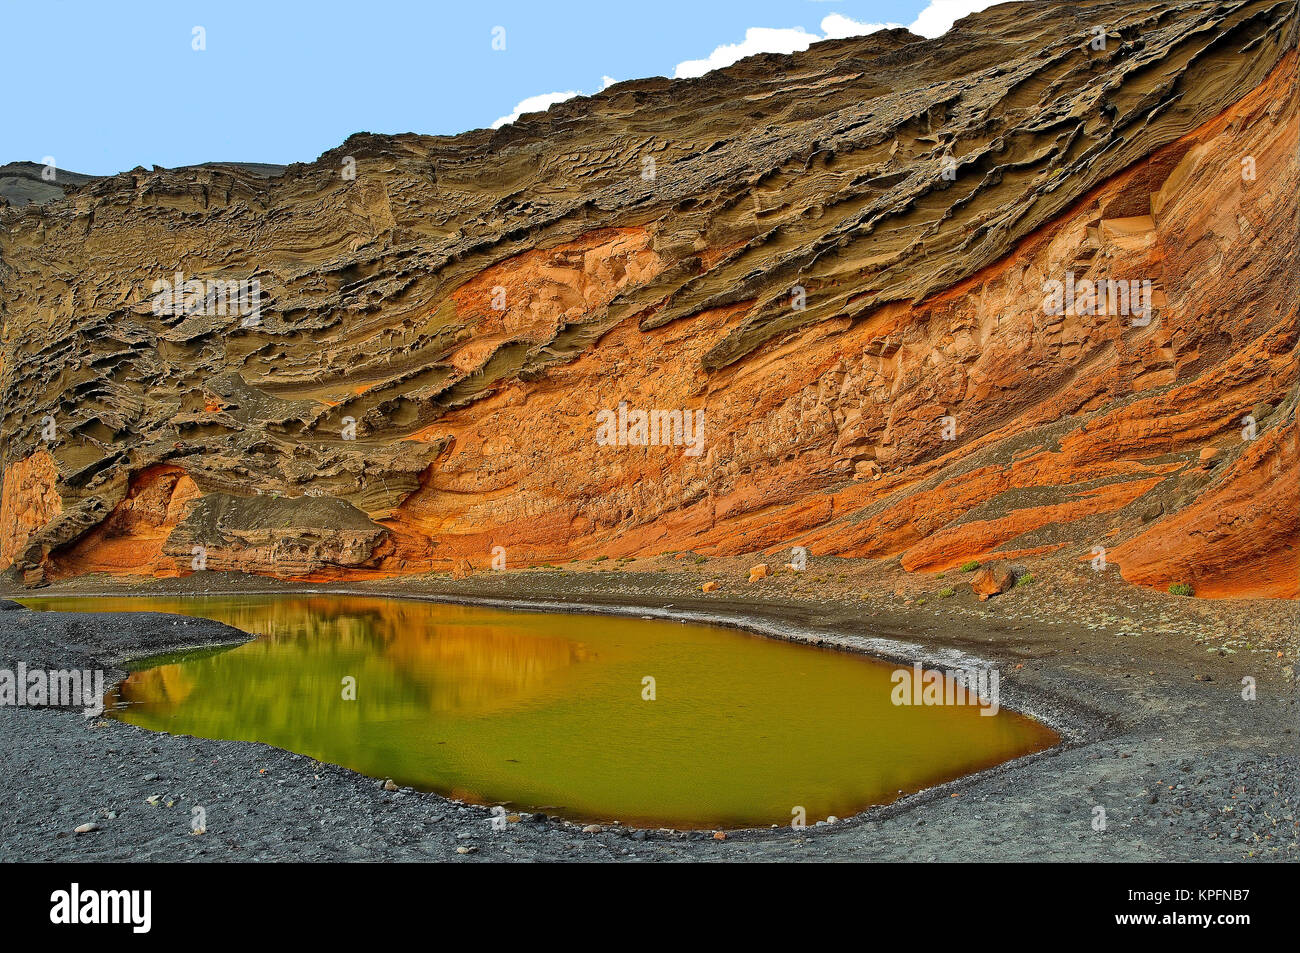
<point>992,580</point>
<point>1255,499</point>
<point>1065,426</point>
<point>131,540</point>
<point>798,332</point>
<point>28,501</point>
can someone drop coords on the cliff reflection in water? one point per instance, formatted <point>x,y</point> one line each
<point>462,660</point>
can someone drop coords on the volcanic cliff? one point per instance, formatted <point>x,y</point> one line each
<point>845,259</point>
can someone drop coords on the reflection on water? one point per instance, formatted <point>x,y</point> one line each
<point>547,711</point>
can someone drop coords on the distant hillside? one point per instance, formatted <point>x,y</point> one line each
<point>21,183</point>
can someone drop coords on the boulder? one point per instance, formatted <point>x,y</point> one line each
<point>992,579</point>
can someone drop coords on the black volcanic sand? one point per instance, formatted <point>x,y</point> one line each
<point>1145,687</point>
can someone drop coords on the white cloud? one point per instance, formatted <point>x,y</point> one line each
<point>935,19</point>
<point>535,104</point>
<point>758,39</point>
<point>837,26</point>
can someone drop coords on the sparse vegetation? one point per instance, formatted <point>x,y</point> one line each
<point>945,593</point>
<point>1026,580</point>
<point>701,560</point>
<point>1181,589</point>
<point>970,566</point>
<point>600,559</point>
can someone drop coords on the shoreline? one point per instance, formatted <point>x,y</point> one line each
<point>1092,720</point>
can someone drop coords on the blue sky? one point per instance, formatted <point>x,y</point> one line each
<point>103,87</point>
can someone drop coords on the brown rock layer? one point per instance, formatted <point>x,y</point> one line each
<point>839,258</point>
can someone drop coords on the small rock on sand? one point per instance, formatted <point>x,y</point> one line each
<point>992,579</point>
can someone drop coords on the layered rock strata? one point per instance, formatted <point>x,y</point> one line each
<point>859,275</point>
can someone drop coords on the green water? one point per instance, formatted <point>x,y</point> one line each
<point>546,712</point>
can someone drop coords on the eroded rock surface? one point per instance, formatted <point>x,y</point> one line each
<point>839,257</point>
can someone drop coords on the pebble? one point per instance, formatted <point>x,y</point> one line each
<point>86,828</point>
<point>390,785</point>
<point>592,829</point>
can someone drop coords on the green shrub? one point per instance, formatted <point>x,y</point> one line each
<point>700,560</point>
<point>970,566</point>
<point>945,593</point>
<point>1180,589</point>
<point>1026,580</point>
